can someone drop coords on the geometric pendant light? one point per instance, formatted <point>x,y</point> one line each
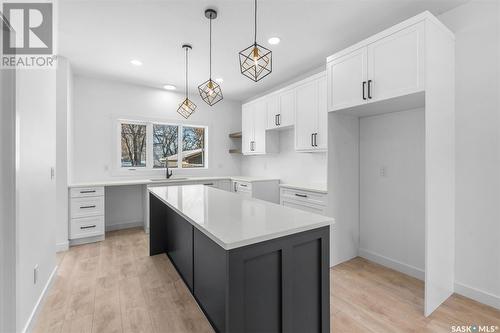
<point>256,60</point>
<point>187,107</point>
<point>210,91</point>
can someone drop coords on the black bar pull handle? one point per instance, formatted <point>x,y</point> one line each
<point>87,191</point>
<point>279,119</point>
<point>275,120</point>
<point>370,89</point>
<point>85,207</point>
<point>364,88</point>
<point>208,184</point>
<point>88,226</point>
<point>244,185</point>
<point>312,139</point>
<point>301,195</point>
<point>315,139</point>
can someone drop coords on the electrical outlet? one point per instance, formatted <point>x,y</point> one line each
<point>35,274</point>
<point>383,171</point>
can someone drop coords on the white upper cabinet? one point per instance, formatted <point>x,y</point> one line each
<point>396,64</point>
<point>311,115</point>
<point>379,68</point>
<point>281,109</point>
<point>255,139</point>
<point>260,124</point>
<point>247,126</point>
<point>302,104</point>
<point>347,76</point>
<point>321,133</point>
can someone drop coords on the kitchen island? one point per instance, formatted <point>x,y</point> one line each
<point>252,266</point>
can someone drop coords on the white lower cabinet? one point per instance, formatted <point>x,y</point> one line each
<point>86,214</point>
<point>314,202</point>
<point>267,190</point>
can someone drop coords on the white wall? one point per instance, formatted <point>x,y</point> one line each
<point>35,188</point>
<point>477,131</point>
<point>392,178</point>
<point>63,109</point>
<point>7,202</point>
<point>98,103</point>
<point>288,165</point>
<point>124,207</point>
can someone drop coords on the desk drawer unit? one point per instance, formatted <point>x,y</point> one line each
<point>86,213</point>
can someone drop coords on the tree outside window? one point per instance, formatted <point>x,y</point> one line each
<point>193,147</point>
<point>165,144</point>
<point>133,145</point>
<point>150,145</point>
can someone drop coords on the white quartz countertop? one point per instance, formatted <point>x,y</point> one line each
<point>173,180</point>
<point>232,220</point>
<point>313,187</point>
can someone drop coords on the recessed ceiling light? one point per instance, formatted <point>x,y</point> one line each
<point>219,80</point>
<point>169,87</point>
<point>136,62</point>
<point>274,40</point>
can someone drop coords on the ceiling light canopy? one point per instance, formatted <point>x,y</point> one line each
<point>210,91</point>
<point>187,107</point>
<point>169,87</point>
<point>255,60</point>
<point>136,62</point>
<point>274,40</point>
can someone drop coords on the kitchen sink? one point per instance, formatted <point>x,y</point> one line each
<point>167,180</point>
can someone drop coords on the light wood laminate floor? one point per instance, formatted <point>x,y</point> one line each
<point>114,286</point>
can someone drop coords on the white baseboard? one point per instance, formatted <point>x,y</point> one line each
<point>394,264</point>
<point>125,225</point>
<point>31,320</point>
<point>478,295</point>
<point>86,240</point>
<point>64,246</point>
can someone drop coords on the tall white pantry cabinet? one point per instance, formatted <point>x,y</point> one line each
<point>408,66</point>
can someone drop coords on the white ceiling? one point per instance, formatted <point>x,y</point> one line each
<point>101,37</point>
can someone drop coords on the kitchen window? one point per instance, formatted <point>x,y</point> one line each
<point>133,145</point>
<point>149,145</point>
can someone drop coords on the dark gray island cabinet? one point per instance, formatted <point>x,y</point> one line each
<point>251,265</point>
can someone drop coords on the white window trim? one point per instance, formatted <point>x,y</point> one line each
<point>118,170</point>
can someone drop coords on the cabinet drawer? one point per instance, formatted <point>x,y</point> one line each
<point>304,196</point>
<point>80,192</point>
<point>308,207</point>
<point>86,227</point>
<point>243,187</point>
<point>89,206</point>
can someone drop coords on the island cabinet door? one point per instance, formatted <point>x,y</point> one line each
<point>281,285</point>
<point>179,245</point>
<point>210,279</point>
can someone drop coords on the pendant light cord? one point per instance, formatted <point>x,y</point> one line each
<point>210,77</point>
<point>186,73</point>
<point>255,24</point>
